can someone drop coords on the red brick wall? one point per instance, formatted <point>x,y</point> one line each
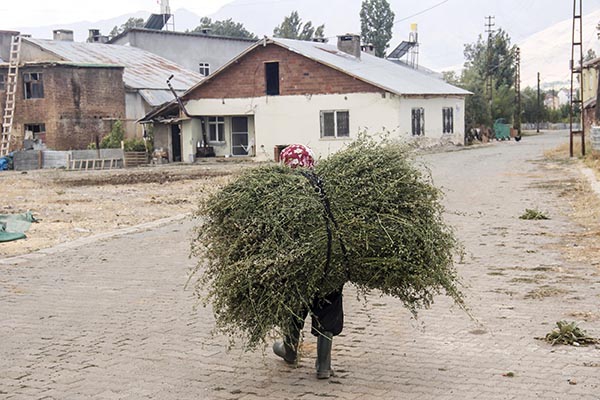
<point>78,104</point>
<point>298,75</point>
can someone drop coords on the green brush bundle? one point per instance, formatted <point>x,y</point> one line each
<point>270,241</point>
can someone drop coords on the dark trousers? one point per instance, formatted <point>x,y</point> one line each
<point>327,315</point>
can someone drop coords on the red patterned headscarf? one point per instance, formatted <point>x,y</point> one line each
<point>297,155</point>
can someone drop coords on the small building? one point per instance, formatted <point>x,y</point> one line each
<point>200,52</point>
<point>64,105</point>
<point>282,91</point>
<point>82,88</point>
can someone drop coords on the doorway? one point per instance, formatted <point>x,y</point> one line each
<point>176,142</point>
<point>239,136</point>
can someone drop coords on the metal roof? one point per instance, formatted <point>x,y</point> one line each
<point>158,97</point>
<point>395,78</point>
<point>143,70</point>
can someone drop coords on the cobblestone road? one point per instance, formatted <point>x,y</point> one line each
<point>111,320</point>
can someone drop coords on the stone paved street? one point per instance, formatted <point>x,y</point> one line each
<point>111,320</point>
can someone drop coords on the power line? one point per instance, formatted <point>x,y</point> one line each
<point>421,12</point>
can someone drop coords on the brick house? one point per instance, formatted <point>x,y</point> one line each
<point>77,90</point>
<point>283,91</point>
<point>64,105</point>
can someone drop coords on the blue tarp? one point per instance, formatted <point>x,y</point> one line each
<point>3,163</point>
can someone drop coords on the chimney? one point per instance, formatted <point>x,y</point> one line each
<point>368,48</point>
<point>96,37</point>
<point>64,35</point>
<point>349,44</point>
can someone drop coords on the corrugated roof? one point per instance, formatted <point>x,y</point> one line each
<point>158,97</point>
<point>143,70</point>
<point>395,78</point>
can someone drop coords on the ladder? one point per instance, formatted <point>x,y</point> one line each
<point>11,90</point>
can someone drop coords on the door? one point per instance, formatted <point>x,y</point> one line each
<point>239,136</point>
<point>176,142</point>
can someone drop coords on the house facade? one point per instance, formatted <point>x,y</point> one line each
<point>199,52</point>
<point>284,91</point>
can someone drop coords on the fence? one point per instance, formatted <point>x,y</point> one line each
<point>77,159</point>
<point>549,127</point>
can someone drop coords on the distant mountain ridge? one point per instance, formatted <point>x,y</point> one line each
<point>183,18</point>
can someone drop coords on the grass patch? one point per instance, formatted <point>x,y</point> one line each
<point>544,291</point>
<point>533,214</point>
<point>569,333</point>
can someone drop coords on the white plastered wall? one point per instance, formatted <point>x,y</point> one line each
<point>281,120</point>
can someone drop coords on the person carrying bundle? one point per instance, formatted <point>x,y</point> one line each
<point>326,311</point>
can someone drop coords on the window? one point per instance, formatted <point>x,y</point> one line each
<point>272,78</point>
<point>204,69</point>
<point>2,82</point>
<point>216,129</point>
<point>448,119</point>
<point>418,121</point>
<point>36,132</point>
<point>34,88</point>
<point>335,124</point>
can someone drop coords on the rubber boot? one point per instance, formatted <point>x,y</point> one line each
<point>323,363</point>
<point>286,350</point>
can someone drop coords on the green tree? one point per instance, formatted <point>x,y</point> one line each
<point>227,27</point>
<point>500,62</point>
<point>130,23</point>
<point>114,138</point>
<point>292,28</point>
<point>376,23</point>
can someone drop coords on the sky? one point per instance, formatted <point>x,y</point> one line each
<point>49,12</point>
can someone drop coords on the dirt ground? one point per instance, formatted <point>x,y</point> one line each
<point>76,204</point>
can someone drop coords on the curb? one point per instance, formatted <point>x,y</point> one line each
<point>592,179</point>
<point>91,239</point>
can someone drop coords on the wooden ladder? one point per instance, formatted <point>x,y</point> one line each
<point>11,90</point>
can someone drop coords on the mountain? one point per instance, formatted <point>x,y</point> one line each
<point>444,26</point>
<point>183,18</point>
<point>549,52</point>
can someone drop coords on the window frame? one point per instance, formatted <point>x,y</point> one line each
<point>421,117</point>
<point>448,120</point>
<point>204,68</point>
<point>2,81</point>
<point>29,83</point>
<point>336,130</point>
<point>40,134</point>
<point>272,86</point>
<point>218,122</point>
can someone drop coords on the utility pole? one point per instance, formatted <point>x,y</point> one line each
<point>490,57</point>
<point>576,100</point>
<point>517,118</point>
<point>539,108</point>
